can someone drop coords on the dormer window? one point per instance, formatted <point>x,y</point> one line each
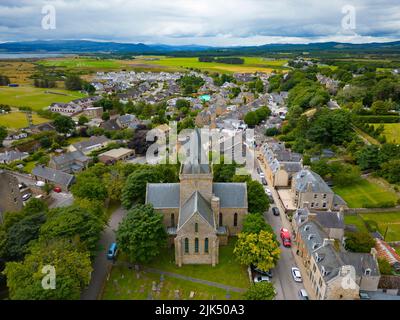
<point>311,236</point>
<point>306,228</point>
<point>367,272</point>
<point>315,246</point>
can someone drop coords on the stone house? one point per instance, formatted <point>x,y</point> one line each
<point>10,196</point>
<point>334,273</point>
<point>199,215</point>
<point>58,178</point>
<point>88,146</point>
<point>70,162</point>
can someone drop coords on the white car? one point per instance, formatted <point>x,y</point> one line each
<point>296,275</point>
<point>26,196</point>
<point>262,175</point>
<point>260,279</point>
<point>303,294</point>
<point>267,191</point>
<point>40,184</point>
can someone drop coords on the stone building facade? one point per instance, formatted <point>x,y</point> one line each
<point>199,215</point>
<point>10,196</point>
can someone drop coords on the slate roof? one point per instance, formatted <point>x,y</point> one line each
<point>10,156</point>
<point>231,195</point>
<point>306,178</point>
<point>330,220</point>
<point>163,195</point>
<point>88,144</point>
<point>55,176</point>
<point>361,262</point>
<point>195,204</point>
<point>70,157</point>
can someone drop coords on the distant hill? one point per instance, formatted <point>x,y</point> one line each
<point>83,46</point>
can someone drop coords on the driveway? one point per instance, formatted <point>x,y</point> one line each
<point>101,264</point>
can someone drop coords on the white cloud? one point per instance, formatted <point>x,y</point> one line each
<point>211,22</point>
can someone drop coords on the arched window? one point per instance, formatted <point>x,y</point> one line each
<point>206,245</point>
<point>172,220</point>
<point>186,245</point>
<point>196,227</point>
<point>220,219</point>
<point>196,245</point>
<point>235,219</point>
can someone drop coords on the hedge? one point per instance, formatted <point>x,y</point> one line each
<point>378,119</point>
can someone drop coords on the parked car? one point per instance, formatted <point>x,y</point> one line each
<point>262,175</point>
<point>21,186</point>
<point>262,272</point>
<point>364,296</point>
<point>268,191</point>
<point>26,196</point>
<point>296,275</point>
<point>40,196</point>
<point>264,182</point>
<point>260,279</point>
<point>40,183</point>
<point>57,189</point>
<point>258,170</point>
<point>112,251</point>
<point>275,211</point>
<point>303,294</point>
<point>285,236</point>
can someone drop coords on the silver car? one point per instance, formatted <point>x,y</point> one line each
<point>296,275</point>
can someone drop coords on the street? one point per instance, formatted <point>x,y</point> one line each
<point>101,264</point>
<point>286,287</point>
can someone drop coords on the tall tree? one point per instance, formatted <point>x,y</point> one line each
<point>141,234</point>
<point>257,199</point>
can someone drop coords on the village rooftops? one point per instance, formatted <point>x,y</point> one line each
<point>309,181</point>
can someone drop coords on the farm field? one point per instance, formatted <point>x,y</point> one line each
<point>392,132</point>
<point>385,222</point>
<point>365,194</point>
<point>252,64</point>
<point>17,120</point>
<point>36,98</point>
<point>18,71</point>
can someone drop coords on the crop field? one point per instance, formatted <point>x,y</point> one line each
<point>17,120</point>
<point>160,63</point>
<point>36,98</point>
<point>251,64</point>
<point>392,132</point>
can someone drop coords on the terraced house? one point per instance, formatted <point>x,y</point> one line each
<point>199,215</point>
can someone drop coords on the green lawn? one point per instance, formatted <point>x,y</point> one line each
<point>357,221</point>
<point>228,271</point>
<point>36,98</point>
<point>82,63</point>
<point>387,222</point>
<point>18,120</point>
<point>123,284</point>
<point>365,193</point>
<point>391,132</point>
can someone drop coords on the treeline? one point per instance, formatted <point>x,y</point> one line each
<point>44,83</point>
<point>227,60</point>
<point>4,80</point>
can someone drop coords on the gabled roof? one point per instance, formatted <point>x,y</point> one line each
<point>306,178</point>
<point>196,204</point>
<point>53,175</point>
<point>231,195</point>
<point>69,157</point>
<point>163,195</point>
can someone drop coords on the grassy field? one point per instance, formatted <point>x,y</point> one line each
<point>154,63</point>
<point>124,284</point>
<point>18,71</point>
<point>364,194</point>
<point>36,98</point>
<point>387,223</point>
<point>392,132</point>
<point>17,120</point>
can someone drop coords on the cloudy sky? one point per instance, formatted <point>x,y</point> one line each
<point>207,22</point>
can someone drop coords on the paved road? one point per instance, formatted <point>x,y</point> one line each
<point>286,287</point>
<point>101,264</point>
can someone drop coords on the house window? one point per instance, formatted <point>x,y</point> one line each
<point>324,196</point>
<point>312,205</point>
<point>320,282</point>
<point>324,205</point>
<point>196,227</point>
<point>220,219</point>
<point>172,220</point>
<point>186,245</point>
<point>368,272</point>
<point>235,219</point>
<point>196,245</point>
<point>206,245</point>
<point>315,196</point>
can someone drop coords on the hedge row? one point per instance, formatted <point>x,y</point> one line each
<point>378,119</point>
